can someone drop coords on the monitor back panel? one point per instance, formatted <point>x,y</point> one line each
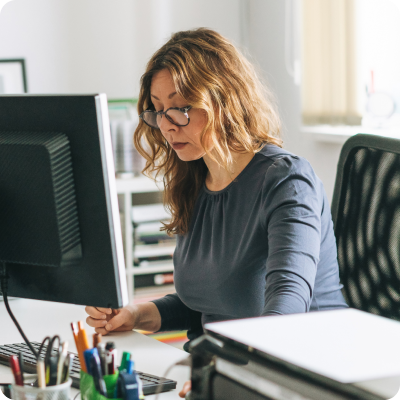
<point>96,278</point>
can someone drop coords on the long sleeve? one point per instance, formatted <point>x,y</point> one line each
<point>175,315</point>
<point>294,236</point>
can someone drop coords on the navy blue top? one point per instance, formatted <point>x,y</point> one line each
<point>263,245</point>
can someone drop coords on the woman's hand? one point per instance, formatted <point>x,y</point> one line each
<point>105,320</point>
<point>134,316</point>
<point>186,388</point>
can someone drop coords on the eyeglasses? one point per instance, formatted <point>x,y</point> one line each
<point>175,115</point>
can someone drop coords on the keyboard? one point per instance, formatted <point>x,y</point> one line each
<point>151,383</point>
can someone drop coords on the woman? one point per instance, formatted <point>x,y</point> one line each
<point>253,224</point>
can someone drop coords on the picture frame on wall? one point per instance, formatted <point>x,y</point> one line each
<point>13,76</point>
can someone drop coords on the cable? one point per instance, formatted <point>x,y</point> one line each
<point>77,395</point>
<point>4,289</point>
<point>187,362</point>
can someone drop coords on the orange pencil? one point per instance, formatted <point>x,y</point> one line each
<point>78,347</point>
<point>75,333</point>
<point>83,345</point>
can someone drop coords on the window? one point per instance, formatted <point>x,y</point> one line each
<point>350,62</point>
<point>329,69</point>
<point>378,66</point>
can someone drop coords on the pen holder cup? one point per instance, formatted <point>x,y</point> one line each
<point>56,392</point>
<point>89,392</point>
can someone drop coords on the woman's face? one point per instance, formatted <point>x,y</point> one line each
<point>185,140</point>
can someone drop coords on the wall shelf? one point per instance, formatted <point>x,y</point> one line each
<point>150,250</point>
<point>125,188</point>
<point>153,269</point>
<point>139,184</point>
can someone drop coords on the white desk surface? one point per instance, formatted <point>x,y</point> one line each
<point>39,319</point>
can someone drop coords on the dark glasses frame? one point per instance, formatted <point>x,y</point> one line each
<point>184,110</point>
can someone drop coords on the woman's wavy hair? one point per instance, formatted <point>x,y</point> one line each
<point>212,75</point>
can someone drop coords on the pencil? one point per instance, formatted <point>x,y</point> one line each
<point>78,347</point>
<point>83,345</point>
<point>75,333</point>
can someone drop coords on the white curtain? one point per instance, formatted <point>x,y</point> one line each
<point>329,63</point>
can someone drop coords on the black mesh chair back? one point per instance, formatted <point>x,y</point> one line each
<point>366,217</point>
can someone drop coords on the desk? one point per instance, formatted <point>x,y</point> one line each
<point>40,318</point>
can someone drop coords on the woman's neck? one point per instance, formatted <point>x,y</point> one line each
<point>219,178</point>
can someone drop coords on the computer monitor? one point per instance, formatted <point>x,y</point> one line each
<point>60,233</point>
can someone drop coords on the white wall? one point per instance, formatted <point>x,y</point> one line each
<point>35,30</point>
<point>111,42</point>
<point>75,46</point>
<point>267,47</point>
<point>101,51</point>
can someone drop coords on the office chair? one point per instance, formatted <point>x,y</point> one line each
<point>366,218</point>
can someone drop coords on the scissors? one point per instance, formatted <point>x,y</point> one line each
<point>50,361</point>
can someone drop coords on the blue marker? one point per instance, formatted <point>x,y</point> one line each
<point>130,367</point>
<point>88,354</point>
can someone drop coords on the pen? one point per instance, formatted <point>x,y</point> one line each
<point>61,359</point>
<point>51,371</point>
<point>67,367</point>
<point>111,355</point>
<point>96,339</point>
<point>101,348</point>
<point>111,364</point>
<point>14,364</point>
<point>21,365</point>
<point>95,367</point>
<point>41,374</point>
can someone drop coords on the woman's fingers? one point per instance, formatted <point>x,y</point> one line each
<point>105,320</point>
<point>102,331</point>
<point>98,313</point>
<point>123,319</point>
<point>96,323</point>
<point>104,310</point>
<point>186,388</point>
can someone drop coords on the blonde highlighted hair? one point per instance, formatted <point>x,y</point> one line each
<point>212,75</point>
